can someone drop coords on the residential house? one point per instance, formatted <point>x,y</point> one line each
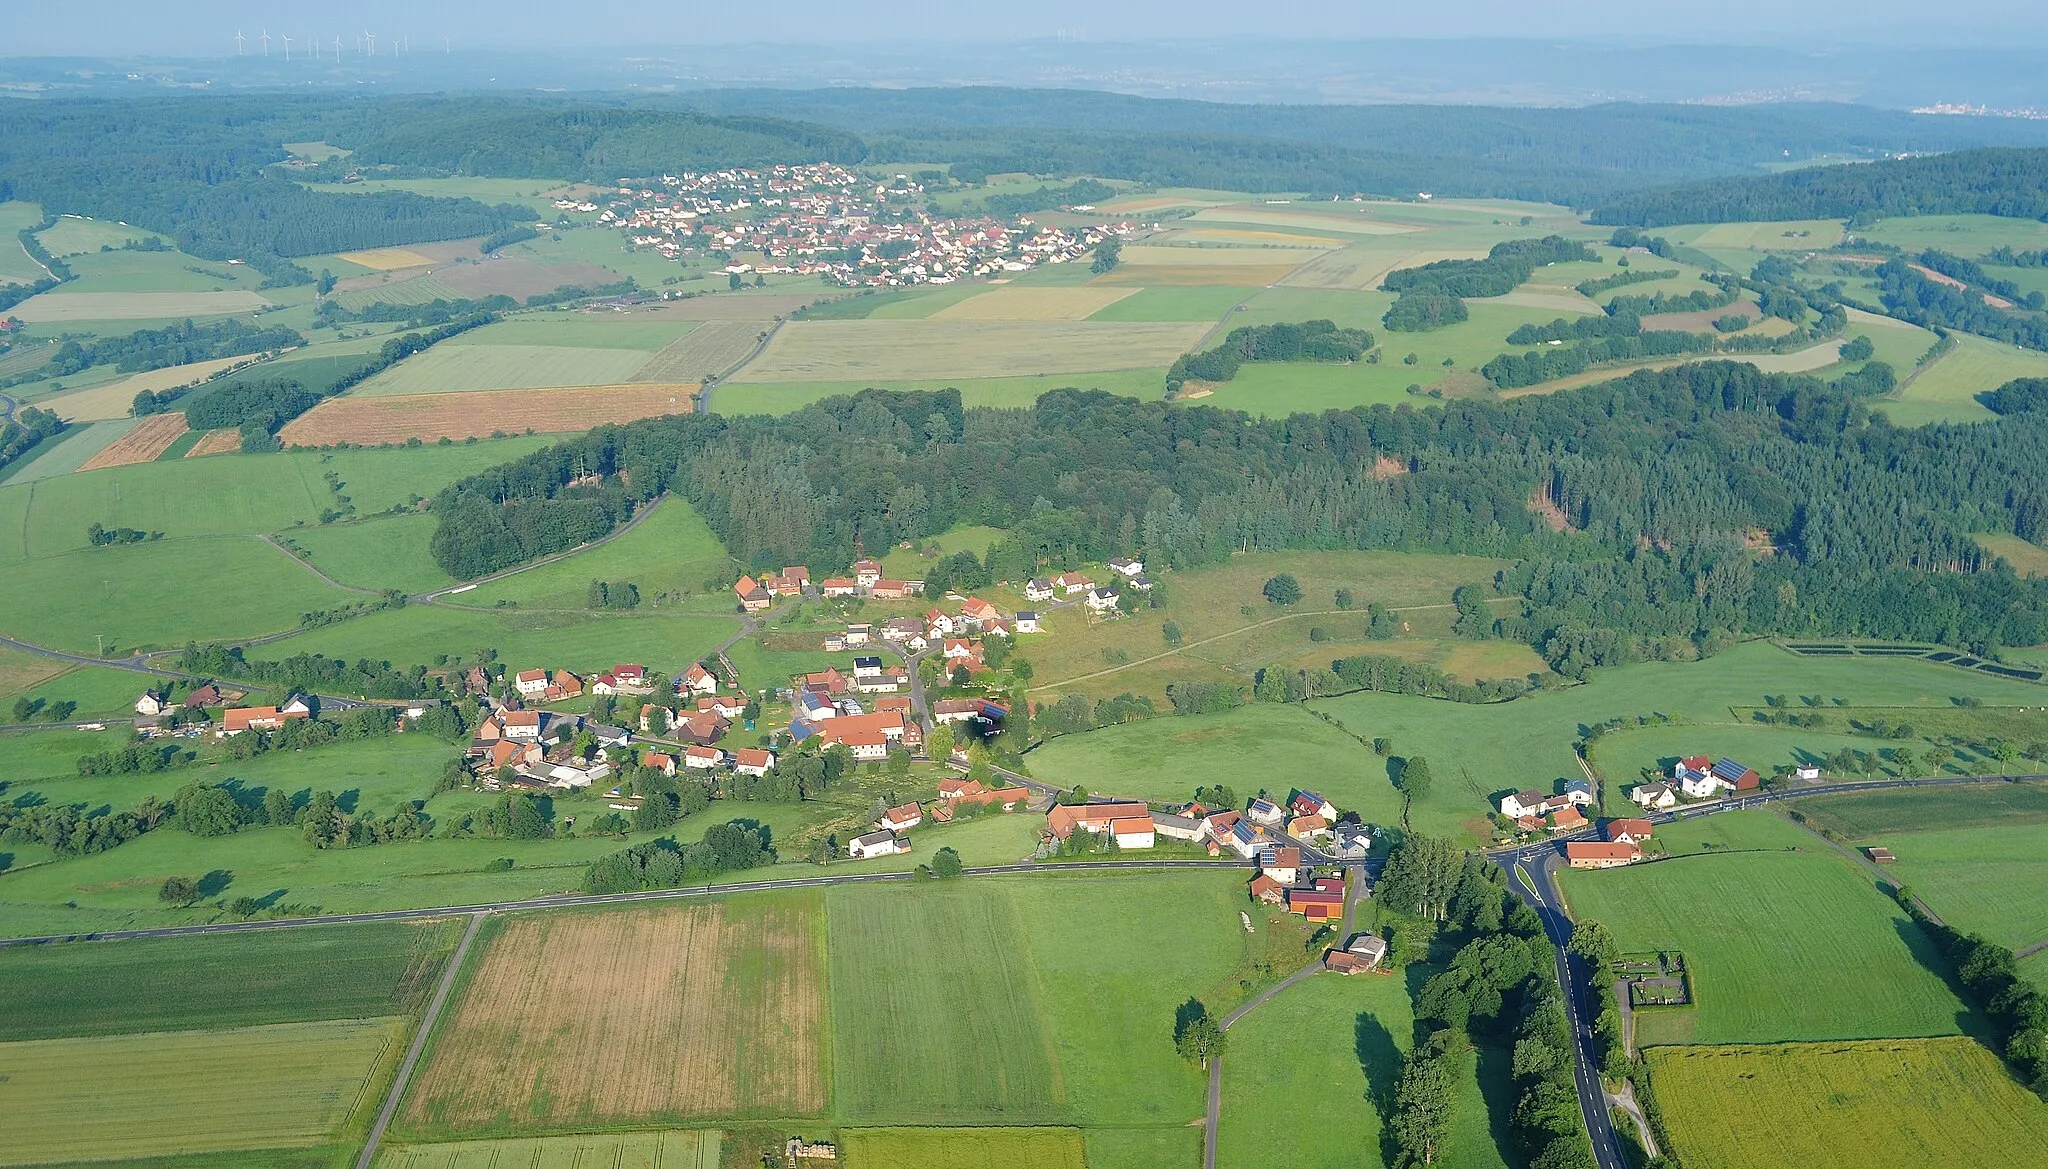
<point>1702,785</point>
<point>1359,955</point>
<point>1062,820</point>
<point>1628,831</point>
<point>814,706</point>
<point>1190,829</point>
<point>907,630</point>
<point>1265,812</point>
<point>1600,854</point>
<point>299,706</point>
<point>563,685</point>
<point>1071,583</point>
<point>938,624</point>
<point>1522,803</point>
<point>1324,902</point>
<point>610,736</point>
<point>890,590</point>
<point>660,761</point>
<point>878,843</point>
<point>703,758</point>
<point>1352,841</point>
<point>1127,567</point>
<point>893,704</point>
<point>506,753</point>
<point>1312,804</point>
<point>1037,589</point>
<point>755,761</point>
<point>828,681</point>
<point>1567,819</point>
<point>1657,797</point>
<point>1580,792</point>
<point>703,728</point>
<point>252,718</point>
<point>978,611</point>
<point>752,596</point>
<point>1268,891</point>
<point>521,724</point>
<point>609,685</point>
<point>902,817</point>
<point>1027,622</point>
<point>1281,864</point>
<point>866,573</point>
<point>697,680</point>
<point>152,703</point>
<point>956,710</point>
<point>837,586</point>
<point>859,633</point>
<point>205,696</point>
<point>1308,828</point>
<point>1134,831</point>
<point>1140,583</point>
<point>888,681</point>
<point>1240,836</point>
<point>953,787</point>
<point>631,675</point>
<point>866,667</point>
<point>727,706</point>
<point>530,683</point>
<point>1805,772</point>
<point>1101,600</point>
<point>959,649</point>
<point>655,720</point>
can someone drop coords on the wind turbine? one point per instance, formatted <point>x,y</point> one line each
<point>287,48</point>
<point>238,42</point>
<point>337,50</point>
<point>265,38</point>
<point>447,46</point>
<point>370,39</point>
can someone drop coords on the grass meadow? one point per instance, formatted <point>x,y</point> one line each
<point>385,552</point>
<point>219,981</point>
<point>15,265</point>
<point>672,550</point>
<point>100,692</point>
<point>583,642</point>
<point>1947,390</point>
<point>446,368</point>
<point>673,1149</point>
<point>1963,235</point>
<point>933,349</point>
<point>279,1086</point>
<point>965,1148</point>
<point>2028,560</point>
<point>1939,1103</point>
<point>1872,816</point>
<point>1767,936</point>
<point>1991,880</point>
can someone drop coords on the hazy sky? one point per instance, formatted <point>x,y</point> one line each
<point>207,27</point>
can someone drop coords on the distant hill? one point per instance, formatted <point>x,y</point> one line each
<point>1994,181</point>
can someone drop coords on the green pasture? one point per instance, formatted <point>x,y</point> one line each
<point>2034,968</point>
<point>1870,816</point>
<point>278,1086</point>
<point>68,451</point>
<point>32,754</point>
<point>100,692</point>
<point>71,235</point>
<point>1277,389</point>
<point>1207,303</point>
<point>784,397</point>
<point>1984,880</point>
<point>1969,236</point>
<point>674,1149</point>
<point>217,981</point>
<point>672,550</point>
<point>159,594</point>
<point>386,552</point>
<point>569,330</point>
<point>578,641</point>
<point>1947,390</point>
<point>1768,936</point>
<point>451,368</point>
<point>231,494</point>
<point>965,1148</point>
<point>538,194</point>
<point>913,563</point>
<point>15,265</point>
<point>1623,757</point>
<point>1732,832</point>
<point>122,271</point>
<point>2027,559</point>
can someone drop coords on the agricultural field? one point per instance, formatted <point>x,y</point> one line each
<point>114,399</point>
<point>646,332</point>
<point>675,1149</point>
<point>1204,304</point>
<point>387,552</point>
<point>672,550</point>
<point>100,692</point>
<point>454,368</point>
<point>460,416</point>
<point>1947,390</point>
<point>285,1085</point>
<point>1017,303</point>
<point>1962,235</point>
<point>145,442</point>
<point>965,1148</point>
<point>2028,560</point>
<point>1873,815</point>
<point>1941,1103</point>
<point>67,452</point>
<point>732,1029</point>
<point>1991,881</point>
<point>211,442</point>
<point>72,307</point>
<point>929,349</point>
<point>16,266</point>
<point>742,397</point>
<point>913,563</point>
<point>74,235</point>
<point>710,348</point>
<point>578,641</point>
<point>1759,929</point>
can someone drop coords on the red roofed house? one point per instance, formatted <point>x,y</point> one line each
<point>703,758</point>
<point>891,590</point>
<point>837,586</point>
<point>753,760</point>
<point>664,763</point>
<point>698,680</point>
<point>1567,819</point>
<point>1600,854</point>
<point>1268,890</point>
<point>977,610</point>
<point>702,728</point>
<point>753,598</point>
<point>564,685</point>
<point>237,719</point>
<point>1133,820</point>
<point>866,573</point>
<point>901,818</point>
<point>1318,904</point>
<point>530,683</point>
<point>1281,864</point>
<point>953,787</point>
<point>1630,831</point>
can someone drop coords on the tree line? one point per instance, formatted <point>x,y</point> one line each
<point>1317,340</point>
<point>179,344</point>
<point>1990,181</point>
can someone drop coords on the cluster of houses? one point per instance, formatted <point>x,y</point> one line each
<point>1130,574</point>
<point>1532,811</point>
<point>1697,778</point>
<point>538,748</point>
<point>823,220</point>
<point>891,833</point>
<point>620,681</point>
<point>1621,844</point>
<point>795,581</point>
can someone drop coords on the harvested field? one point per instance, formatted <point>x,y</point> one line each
<point>681,1149</point>
<point>1362,267</point>
<point>1349,224</point>
<point>641,1015</point>
<point>289,1085</point>
<point>965,1148</point>
<point>1155,256</point>
<point>151,437</point>
<point>916,350</point>
<point>1934,1103</point>
<point>113,400</point>
<point>456,368</point>
<point>1798,361</point>
<point>711,348</point>
<point>1195,276</point>
<point>519,278</point>
<point>480,414</point>
<point>741,306</point>
<point>1249,237</point>
<point>216,442</point>
<point>385,259</point>
<point>1035,304</point>
<point>359,291</point>
<point>134,306</point>
<point>1548,298</point>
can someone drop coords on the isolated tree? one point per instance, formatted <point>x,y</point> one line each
<point>1415,778</point>
<point>1201,1039</point>
<point>946,864</point>
<point>1421,1117</point>
<point>1171,632</point>
<point>1020,669</point>
<point>939,744</point>
<point>1344,599</point>
<point>1282,589</point>
<point>1421,876</point>
<point>1107,256</point>
<point>178,891</point>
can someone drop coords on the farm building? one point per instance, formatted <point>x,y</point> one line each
<point>1132,822</point>
<point>878,843</point>
<point>1359,955</point>
<point>1324,902</point>
<point>1600,854</point>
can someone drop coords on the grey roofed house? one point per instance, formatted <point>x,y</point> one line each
<point>1353,841</point>
<point>610,736</point>
<point>1367,946</point>
<point>1178,827</point>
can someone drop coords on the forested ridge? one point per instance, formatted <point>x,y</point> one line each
<point>1990,181</point>
<point>1666,479</point>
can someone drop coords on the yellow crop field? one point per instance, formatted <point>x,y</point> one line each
<point>151,437</point>
<point>285,1086</point>
<point>709,349</point>
<point>882,352</point>
<point>965,1148</point>
<point>113,400</point>
<point>216,442</point>
<point>1928,1103</point>
<point>679,1149</point>
<point>1363,266</point>
<point>385,259</point>
<point>1250,237</point>
<point>1076,303</point>
<point>134,306</point>
<point>1308,220</point>
<point>478,414</point>
<point>668,1013</point>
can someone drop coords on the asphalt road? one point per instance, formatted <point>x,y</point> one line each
<point>7,407</point>
<point>571,900</point>
<point>419,1044</point>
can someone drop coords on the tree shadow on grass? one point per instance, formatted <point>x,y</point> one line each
<point>1379,1057</point>
<point>215,883</point>
<point>1968,1020</point>
<point>1497,1088</point>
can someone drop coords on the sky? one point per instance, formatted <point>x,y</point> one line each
<point>202,28</point>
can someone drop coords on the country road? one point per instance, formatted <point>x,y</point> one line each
<point>419,1044</point>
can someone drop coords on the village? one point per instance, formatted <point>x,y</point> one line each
<point>1695,780</point>
<point>823,220</point>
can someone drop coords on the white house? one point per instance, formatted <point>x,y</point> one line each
<point>1806,771</point>
<point>299,707</point>
<point>1580,792</point>
<point>859,633</point>
<point>1037,589</point>
<point>1239,837</point>
<point>1027,621</point>
<point>1281,864</point>
<point>1655,796</point>
<point>1127,567</point>
<point>703,758</point>
<point>521,724</point>
<point>867,667</point>
<point>1071,583</point>
<point>938,624</point>
<point>1185,828</point>
<point>753,761</point>
<point>1700,785</point>
<point>698,680</point>
<point>1522,803</point>
<point>150,704</point>
<point>1353,841</point>
<point>1264,811</point>
<point>878,843</point>
<point>530,683</point>
<point>1134,831</point>
<point>901,818</point>
<point>1101,600</point>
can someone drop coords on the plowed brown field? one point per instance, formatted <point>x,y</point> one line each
<point>151,437</point>
<point>641,1015</point>
<point>481,413</point>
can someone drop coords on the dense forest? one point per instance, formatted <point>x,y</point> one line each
<point>1667,482</point>
<point>1992,181</point>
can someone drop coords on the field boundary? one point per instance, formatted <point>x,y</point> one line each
<point>418,1046</point>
